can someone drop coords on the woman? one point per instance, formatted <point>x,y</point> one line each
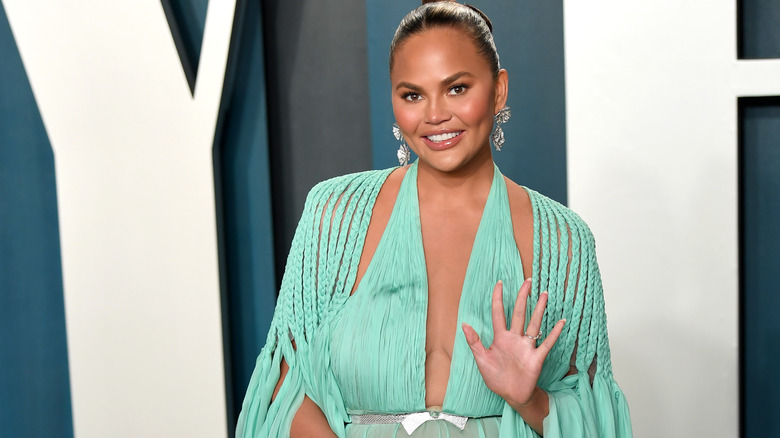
<point>386,290</point>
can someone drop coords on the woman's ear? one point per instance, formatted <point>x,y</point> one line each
<point>502,90</point>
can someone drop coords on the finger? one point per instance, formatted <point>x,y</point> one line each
<point>518,314</point>
<point>536,318</point>
<point>550,340</point>
<point>472,338</point>
<point>499,319</point>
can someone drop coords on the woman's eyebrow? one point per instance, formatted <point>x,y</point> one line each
<point>446,81</point>
<point>408,85</point>
<point>450,79</point>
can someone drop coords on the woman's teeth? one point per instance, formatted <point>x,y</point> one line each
<point>438,138</point>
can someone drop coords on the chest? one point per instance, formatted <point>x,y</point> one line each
<point>447,240</point>
<point>424,271</point>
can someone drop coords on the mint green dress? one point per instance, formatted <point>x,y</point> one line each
<point>365,353</point>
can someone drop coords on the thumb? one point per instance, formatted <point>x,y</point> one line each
<point>472,338</point>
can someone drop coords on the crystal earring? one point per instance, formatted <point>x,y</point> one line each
<point>403,152</point>
<point>498,135</point>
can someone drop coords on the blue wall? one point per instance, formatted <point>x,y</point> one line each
<point>758,25</point>
<point>243,193</point>
<point>759,214</point>
<point>34,385</point>
<point>759,259</point>
<point>187,20</point>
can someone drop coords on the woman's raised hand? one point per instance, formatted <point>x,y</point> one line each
<point>511,365</point>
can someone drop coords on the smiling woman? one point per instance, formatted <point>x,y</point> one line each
<point>386,325</point>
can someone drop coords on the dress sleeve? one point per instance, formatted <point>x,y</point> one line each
<point>318,278</point>
<point>585,399</point>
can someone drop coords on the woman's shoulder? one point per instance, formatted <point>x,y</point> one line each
<point>541,208</point>
<point>555,210</point>
<point>357,182</point>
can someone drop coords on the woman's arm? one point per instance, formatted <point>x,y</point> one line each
<point>309,421</point>
<point>333,208</point>
<point>584,400</point>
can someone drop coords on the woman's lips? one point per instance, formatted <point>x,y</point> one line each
<point>445,140</point>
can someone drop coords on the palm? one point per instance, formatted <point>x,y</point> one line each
<point>512,364</point>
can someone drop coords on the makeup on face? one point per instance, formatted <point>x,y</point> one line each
<point>444,97</point>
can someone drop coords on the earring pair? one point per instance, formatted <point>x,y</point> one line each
<point>497,137</point>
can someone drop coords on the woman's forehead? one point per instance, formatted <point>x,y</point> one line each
<point>438,51</point>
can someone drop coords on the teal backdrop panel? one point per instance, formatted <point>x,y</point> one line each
<point>382,18</point>
<point>187,20</point>
<point>34,382</point>
<point>759,259</point>
<point>244,206</point>
<point>529,37</point>
<point>758,24</point>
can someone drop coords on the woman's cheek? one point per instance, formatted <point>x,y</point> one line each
<point>474,109</point>
<point>407,119</point>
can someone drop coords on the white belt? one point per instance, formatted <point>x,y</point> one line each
<point>411,421</point>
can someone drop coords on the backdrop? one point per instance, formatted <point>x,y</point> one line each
<point>155,156</point>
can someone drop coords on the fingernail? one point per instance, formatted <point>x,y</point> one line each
<point>544,293</point>
<point>563,320</point>
<point>500,282</point>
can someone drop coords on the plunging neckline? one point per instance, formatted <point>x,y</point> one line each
<point>469,268</point>
<point>408,194</point>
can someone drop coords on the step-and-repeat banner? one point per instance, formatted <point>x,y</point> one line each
<point>113,271</point>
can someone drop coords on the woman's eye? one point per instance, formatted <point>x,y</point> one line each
<point>457,89</point>
<point>412,97</point>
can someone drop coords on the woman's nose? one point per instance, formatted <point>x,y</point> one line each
<point>437,112</point>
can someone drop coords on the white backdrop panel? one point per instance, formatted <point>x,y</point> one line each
<point>652,153</point>
<point>136,207</point>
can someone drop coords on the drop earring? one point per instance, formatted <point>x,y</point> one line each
<point>403,152</point>
<point>498,134</point>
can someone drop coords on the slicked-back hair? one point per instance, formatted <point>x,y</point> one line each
<point>437,14</point>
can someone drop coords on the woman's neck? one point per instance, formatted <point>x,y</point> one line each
<point>470,183</point>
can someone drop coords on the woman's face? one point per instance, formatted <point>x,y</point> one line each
<point>445,97</point>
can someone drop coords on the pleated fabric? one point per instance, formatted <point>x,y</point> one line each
<point>366,352</point>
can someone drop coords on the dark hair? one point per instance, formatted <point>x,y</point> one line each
<point>449,13</point>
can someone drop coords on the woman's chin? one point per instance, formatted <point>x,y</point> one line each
<point>450,163</point>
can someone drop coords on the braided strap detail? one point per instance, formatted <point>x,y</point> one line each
<point>328,233</point>
<point>565,266</point>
